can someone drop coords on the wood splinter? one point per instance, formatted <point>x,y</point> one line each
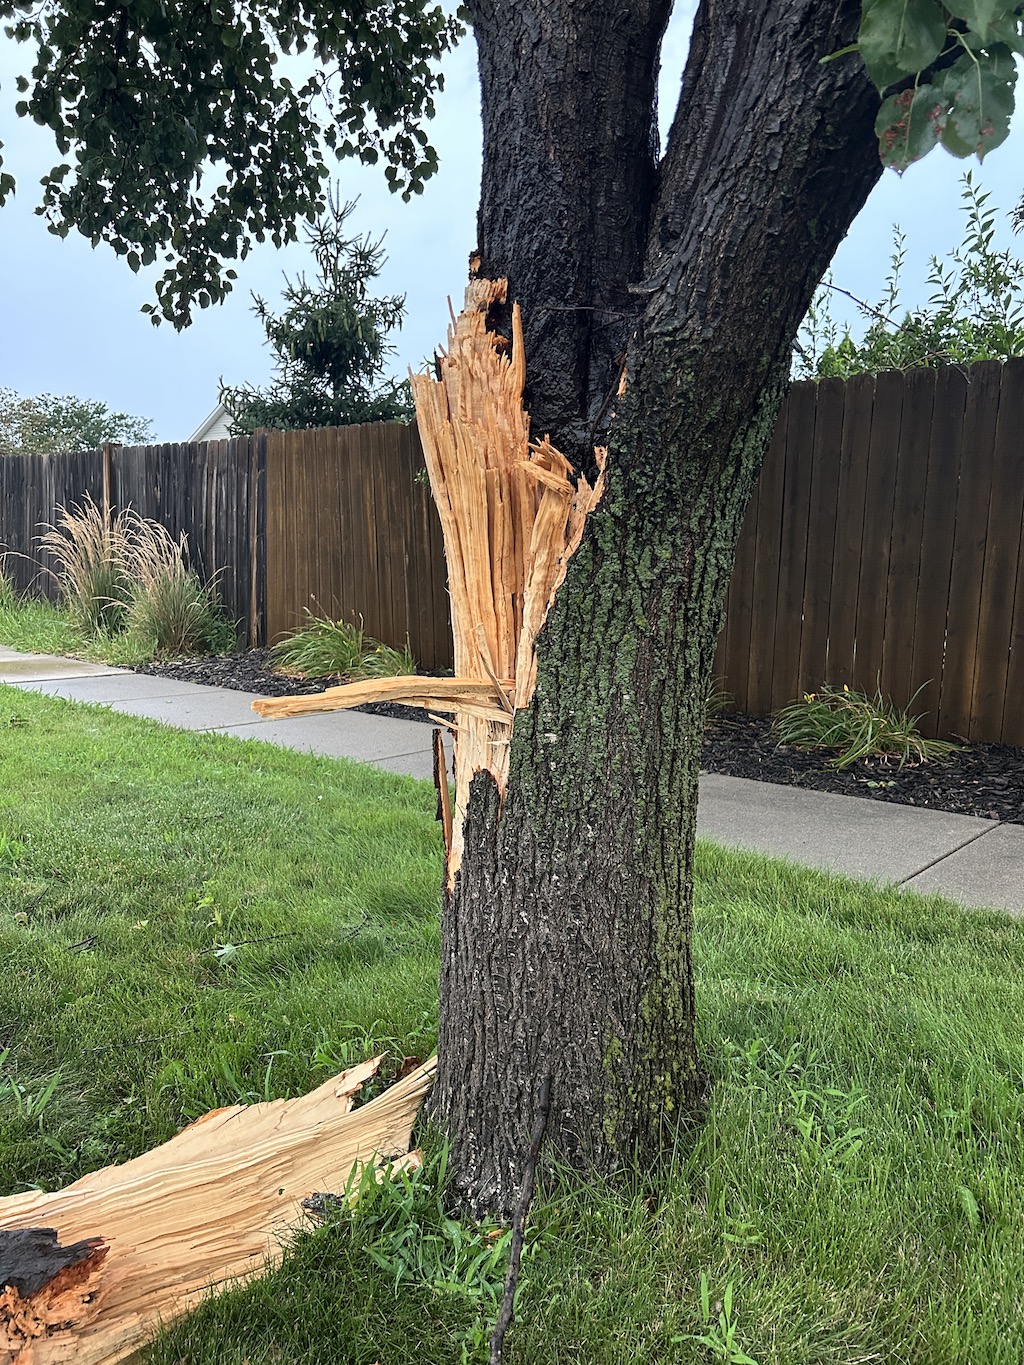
<point>512,515</point>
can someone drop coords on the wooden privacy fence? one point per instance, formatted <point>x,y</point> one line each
<point>884,544</point>
<point>211,492</point>
<point>338,520</point>
<point>352,533</point>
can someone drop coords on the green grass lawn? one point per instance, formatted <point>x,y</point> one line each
<point>856,1193</point>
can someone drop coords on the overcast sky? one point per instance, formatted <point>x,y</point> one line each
<point>71,319</point>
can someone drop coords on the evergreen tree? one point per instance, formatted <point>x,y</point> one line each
<point>330,341</point>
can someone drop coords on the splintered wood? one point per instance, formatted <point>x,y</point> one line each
<point>143,1242</point>
<point>512,517</point>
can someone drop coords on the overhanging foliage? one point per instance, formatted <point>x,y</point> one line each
<point>185,139</point>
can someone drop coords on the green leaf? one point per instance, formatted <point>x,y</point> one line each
<point>909,125</point>
<point>989,19</point>
<point>980,96</point>
<point>900,37</point>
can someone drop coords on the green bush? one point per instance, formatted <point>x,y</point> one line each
<point>858,727</point>
<point>325,648</point>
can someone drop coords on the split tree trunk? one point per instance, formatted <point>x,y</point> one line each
<point>566,946</point>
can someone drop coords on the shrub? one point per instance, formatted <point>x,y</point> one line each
<point>91,553</point>
<point>170,610</point>
<point>326,648</point>
<point>858,727</point>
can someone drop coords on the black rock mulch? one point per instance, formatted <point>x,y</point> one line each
<point>986,780</point>
<point>982,779</point>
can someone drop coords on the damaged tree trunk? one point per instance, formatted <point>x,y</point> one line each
<point>593,437</point>
<point>566,944</point>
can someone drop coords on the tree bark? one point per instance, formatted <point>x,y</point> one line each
<point>566,944</point>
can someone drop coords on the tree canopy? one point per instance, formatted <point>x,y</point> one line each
<point>48,425</point>
<point>330,341</point>
<point>187,140</point>
<point>187,134</point>
<point>945,71</point>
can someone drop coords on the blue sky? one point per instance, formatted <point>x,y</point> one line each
<point>71,319</point>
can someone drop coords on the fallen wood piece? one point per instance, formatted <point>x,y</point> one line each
<point>478,696</point>
<point>208,1207</point>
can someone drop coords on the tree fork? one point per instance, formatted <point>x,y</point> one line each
<point>567,930</point>
<point>566,935</point>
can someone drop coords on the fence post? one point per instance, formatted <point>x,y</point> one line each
<point>108,479</point>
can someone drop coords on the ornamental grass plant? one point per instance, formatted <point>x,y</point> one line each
<point>328,648</point>
<point>127,588</point>
<point>857,727</point>
<point>91,554</point>
<point>170,610</point>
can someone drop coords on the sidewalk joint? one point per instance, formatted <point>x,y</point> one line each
<point>993,824</point>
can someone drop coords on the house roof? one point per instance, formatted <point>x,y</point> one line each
<point>214,427</point>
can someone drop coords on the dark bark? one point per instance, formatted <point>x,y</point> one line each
<point>31,1259</point>
<point>566,940</point>
<point>570,172</point>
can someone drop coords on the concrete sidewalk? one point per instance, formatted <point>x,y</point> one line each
<point>976,862</point>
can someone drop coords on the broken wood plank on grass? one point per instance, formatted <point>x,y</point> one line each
<point>88,1272</point>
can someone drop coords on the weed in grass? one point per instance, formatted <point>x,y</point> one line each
<point>91,552</point>
<point>267,1092</point>
<point>29,1104</point>
<point>401,1222</point>
<point>11,850</point>
<point>858,727</point>
<point>720,1327</point>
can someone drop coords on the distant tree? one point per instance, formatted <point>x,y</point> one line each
<point>975,311</point>
<point>330,341</point>
<point>47,425</point>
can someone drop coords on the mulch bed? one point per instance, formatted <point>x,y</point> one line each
<point>983,779</point>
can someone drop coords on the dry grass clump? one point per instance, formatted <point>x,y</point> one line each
<point>91,552</point>
<point>169,606</point>
<point>125,576</point>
